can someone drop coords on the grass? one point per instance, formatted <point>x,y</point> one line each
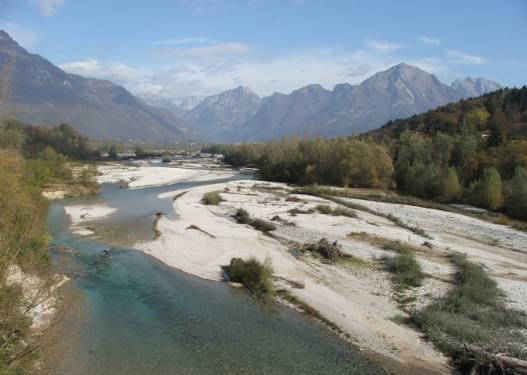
<point>327,210</point>
<point>472,321</point>
<point>396,247</point>
<point>292,198</point>
<point>406,270</point>
<point>212,198</point>
<point>295,211</point>
<point>254,275</point>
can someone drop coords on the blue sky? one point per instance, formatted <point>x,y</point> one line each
<point>179,48</point>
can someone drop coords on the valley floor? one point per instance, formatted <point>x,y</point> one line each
<point>356,295</point>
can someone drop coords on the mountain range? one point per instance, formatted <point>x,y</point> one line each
<point>399,92</point>
<point>34,90</point>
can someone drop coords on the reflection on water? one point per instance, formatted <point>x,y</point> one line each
<point>144,318</point>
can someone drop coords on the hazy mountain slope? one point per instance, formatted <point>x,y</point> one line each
<point>472,87</point>
<point>398,92</point>
<point>36,91</point>
<point>218,117</point>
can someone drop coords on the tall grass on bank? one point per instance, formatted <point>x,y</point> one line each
<point>404,266</point>
<point>473,322</point>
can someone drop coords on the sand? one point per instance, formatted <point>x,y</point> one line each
<point>82,215</point>
<point>141,176</point>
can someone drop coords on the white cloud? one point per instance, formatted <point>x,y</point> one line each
<point>117,72</point>
<point>466,59</point>
<point>190,40</point>
<point>383,46</point>
<point>24,37</point>
<point>217,51</point>
<point>48,8</point>
<point>205,70</point>
<point>429,40</point>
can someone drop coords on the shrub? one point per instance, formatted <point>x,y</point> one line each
<point>295,211</point>
<point>262,225</point>
<point>242,216</point>
<point>212,198</point>
<point>326,249</point>
<point>254,275</point>
<point>407,271</point>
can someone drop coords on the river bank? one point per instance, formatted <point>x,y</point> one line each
<point>357,296</point>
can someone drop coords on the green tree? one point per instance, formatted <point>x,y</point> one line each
<point>449,185</point>
<point>517,201</point>
<point>487,191</point>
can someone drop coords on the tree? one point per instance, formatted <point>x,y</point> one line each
<point>517,201</point>
<point>112,153</point>
<point>449,185</point>
<point>487,191</point>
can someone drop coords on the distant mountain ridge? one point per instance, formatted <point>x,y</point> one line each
<point>36,91</point>
<point>399,92</point>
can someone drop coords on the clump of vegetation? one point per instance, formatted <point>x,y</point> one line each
<point>295,211</point>
<point>262,225</point>
<point>292,198</point>
<point>242,216</point>
<point>406,270</point>
<point>212,198</point>
<point>327,210</point>
<point>396,247</point>
<point>254,275</point>
<point>472,323</point>
<point>330,251</point>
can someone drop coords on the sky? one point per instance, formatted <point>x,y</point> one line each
<point>180,48</point>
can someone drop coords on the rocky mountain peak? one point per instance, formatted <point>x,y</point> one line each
<point>471,87</point>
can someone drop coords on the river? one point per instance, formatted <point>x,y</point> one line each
<point>140,316</point>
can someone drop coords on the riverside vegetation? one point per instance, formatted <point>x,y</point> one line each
<point>31,159</point>
<point>472,151</point>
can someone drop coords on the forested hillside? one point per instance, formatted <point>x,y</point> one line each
<point>474,151</point>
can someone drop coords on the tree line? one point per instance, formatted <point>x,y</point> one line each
<point>472,151</point>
